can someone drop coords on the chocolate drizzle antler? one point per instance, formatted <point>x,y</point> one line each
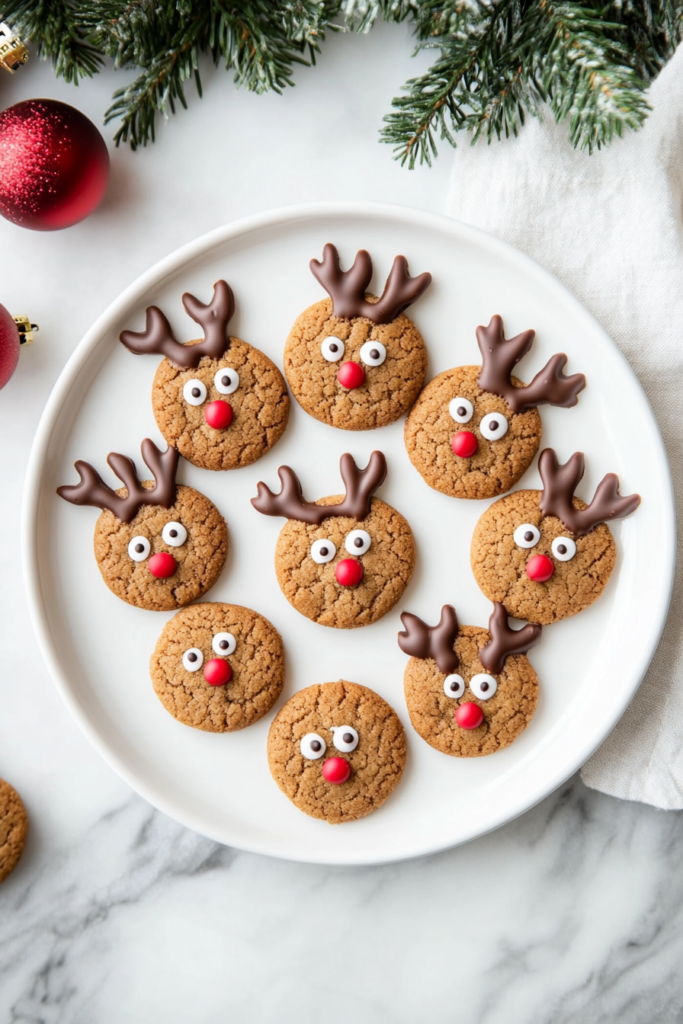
<point>213,318</point>
<point>360,486</point>
<point>505,641</point>
<point>347,288</point>
<point>423,641</point>
<point>559,483</point>
<point>549,386</point>
<point>92,489</point>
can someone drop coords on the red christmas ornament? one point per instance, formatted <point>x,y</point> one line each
<point>54,165</point>
<point>349,572</point>
<point>539,568</point>
<point>218,414</point>
<point>336,770</point>
<point>162,565</point>
<point>9,346</point>
<point>351,375</point>
<point>217,672</point>
<point>469,716</point>
<point>464,444</point>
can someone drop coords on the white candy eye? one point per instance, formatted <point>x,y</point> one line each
<point>357,542</point>
<point>483,686</point>
<point>193,659</point>
<point>494,426</point>
<point>454,685</point>
<point>332,349</point>
<point>461,410</point>
<point>174,534</point>
<point>224,644</point>
<point>226,380</point>
<point>313,746</point>
<point>345,738</point>
<point>564,548</point>
<point>323,551</point>
<point>139,548</point>
<point>194,392</point>
<point>373,353</point>
<point>526,535</point>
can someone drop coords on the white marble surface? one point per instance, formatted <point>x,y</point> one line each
<point>573,913</point>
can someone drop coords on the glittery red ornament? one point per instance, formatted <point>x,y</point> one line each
<point>54,165</point>
<point>9,346</point>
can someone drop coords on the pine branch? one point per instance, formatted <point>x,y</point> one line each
<point>56,29</point>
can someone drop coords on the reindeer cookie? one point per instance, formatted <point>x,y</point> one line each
<point>158,545</point>
<point>475,430</point>
<point>221,402</point>
<point>337,750</point>
<point>469,691</point>
<point>13,829</point>
<point>355,361</point>
<point>218,667</point>
<point>340,561</point>
<point>546,554</point>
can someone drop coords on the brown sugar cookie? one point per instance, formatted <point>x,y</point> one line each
<point>469,691</point>
<point>158,545</point>
<point>13,828</point>
<point>221,402</point>
<point>337,750</point>
<point>218,667</point>
<point>354,361</point>
<point>474,430</point>
<point>343,561</point>
<point>546,555</point>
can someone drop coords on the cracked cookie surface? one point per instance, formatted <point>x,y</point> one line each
<point>13,829</point>
<point>376,764</point>
<point>257,666</point>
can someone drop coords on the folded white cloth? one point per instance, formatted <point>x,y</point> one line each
<point>610,226</point>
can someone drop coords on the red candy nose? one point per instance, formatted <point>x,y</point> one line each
<point>336,770</point>
<point>162,565</point>
<point>539,568</point>
<point>217,672</point>
<point>469,716</point>
<point>349,572</point>
<point>351,375</point>
<point>464,444</point>
<point>218,414</point>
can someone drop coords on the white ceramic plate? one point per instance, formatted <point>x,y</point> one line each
<point>98,648</point>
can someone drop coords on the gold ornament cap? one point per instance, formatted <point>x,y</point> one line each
<point>26,329</point>
<point>13,53</point>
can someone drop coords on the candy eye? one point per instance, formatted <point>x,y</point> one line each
<point>332,349</point>
<point>454,685</point>
<point>483,686</point>
<point>494,426</point>
<point>563,548</point>
<point>461,410</point>
<point>174,534</point>
<point>193,659</point>
<point>323,551</point>
<point>194,392</point>
<point>139,548</point>
<point>224,644</point>
<point>357,542</point>
<point>526,535</point>
<point>345,738</point>
<point>313,746</point>
<point>373,353</point>
<point>226,381</point>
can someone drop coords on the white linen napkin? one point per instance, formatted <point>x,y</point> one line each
<point>610,226</point>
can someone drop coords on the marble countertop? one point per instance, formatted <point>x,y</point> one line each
<point>572,913</point>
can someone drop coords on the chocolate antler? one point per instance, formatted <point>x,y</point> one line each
<point>423,641</point>
<point>559,483</point>
<point>549,386</point>
<point>213,318</point>
<point>347,288</point>
<point>290,503</point>
<point>92,490</point>
<point>505,641</point>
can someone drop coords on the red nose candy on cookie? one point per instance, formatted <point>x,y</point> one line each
<point>162,565</point>
<point>349,572</point>
<point>469,716</point>
<point>336,770</point>
<point>464,444</point>
<point>218,414</point>
<point>539,568</point>
<point>217,672</point>
<point>351,375</point>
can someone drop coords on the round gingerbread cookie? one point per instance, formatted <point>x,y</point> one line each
<point>355,361</point>
<point>218,667</point>
<point>221,402</point>
<point>337,750</point>
<point>13,829</point>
